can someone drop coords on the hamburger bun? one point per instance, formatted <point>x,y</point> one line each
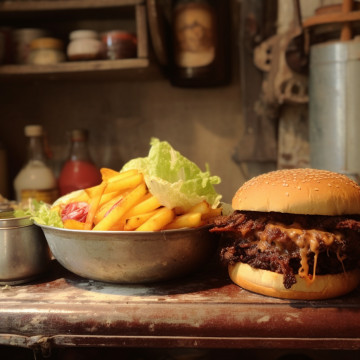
<point>271,284</point>
<point>299,191</point>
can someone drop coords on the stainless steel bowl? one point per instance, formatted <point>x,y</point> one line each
<point>24,252</point>
<point>130,256</point>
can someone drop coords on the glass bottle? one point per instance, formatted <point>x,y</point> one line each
<point>36,179</point>
<point>201,43</point>
<point>79,171</point>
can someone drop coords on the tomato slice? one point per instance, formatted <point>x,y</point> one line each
<point>75,211</point>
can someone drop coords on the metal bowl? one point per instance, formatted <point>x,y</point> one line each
<point>24,252</point>
<point>130,256</point>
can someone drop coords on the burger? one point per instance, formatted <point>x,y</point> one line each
<point>294,234</point>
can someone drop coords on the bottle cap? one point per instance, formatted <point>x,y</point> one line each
<point>33,130</point>
<point>79,134</point>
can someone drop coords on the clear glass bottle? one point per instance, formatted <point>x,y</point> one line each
<point>201,43</point>
<point>79,171</point>
<point>36,179</point>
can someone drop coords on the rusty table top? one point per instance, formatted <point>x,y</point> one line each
<point>202,310</point>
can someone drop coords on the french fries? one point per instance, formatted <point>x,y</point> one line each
<point>74,224</point>
<point>158,221</point>
<point>191,219</point>
<point>122,202</point>
<point>126,204</point>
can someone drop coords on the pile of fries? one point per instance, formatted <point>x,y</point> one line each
<point>122,202</point>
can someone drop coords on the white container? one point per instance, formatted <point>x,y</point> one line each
<point>36,179</point>
<point>84,45</point>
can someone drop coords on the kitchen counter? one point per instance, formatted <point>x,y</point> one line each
<point>204,310</point>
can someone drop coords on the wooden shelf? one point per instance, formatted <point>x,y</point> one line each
<point>45,5</point>
<point>17,9</point>
<point>81,66</point>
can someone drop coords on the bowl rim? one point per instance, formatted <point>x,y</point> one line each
<point>125,232</point>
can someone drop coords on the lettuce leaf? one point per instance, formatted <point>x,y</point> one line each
<point>173,179</point>
<point>41,213</point>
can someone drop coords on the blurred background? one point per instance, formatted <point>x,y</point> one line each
<point>252,117</point>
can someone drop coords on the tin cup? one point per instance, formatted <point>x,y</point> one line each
<point>24,253</point>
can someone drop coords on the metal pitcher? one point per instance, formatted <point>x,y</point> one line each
<point>334,108</point>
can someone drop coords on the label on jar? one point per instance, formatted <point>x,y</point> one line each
<point>45,195</point>
<point>194,35</point>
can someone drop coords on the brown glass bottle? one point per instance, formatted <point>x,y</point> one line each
<point>200,43</point>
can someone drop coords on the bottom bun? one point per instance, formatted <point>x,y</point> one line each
<point>271,284</point>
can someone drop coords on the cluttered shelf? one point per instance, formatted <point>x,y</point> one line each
<point>115,38</point>
<point>202,310</point>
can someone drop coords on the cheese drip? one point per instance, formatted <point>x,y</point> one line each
<point>305,240</point>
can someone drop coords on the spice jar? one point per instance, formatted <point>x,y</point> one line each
<point>119,45</point>
<point>22,39</point>
<point>84,45</point>
<point>45,51</point>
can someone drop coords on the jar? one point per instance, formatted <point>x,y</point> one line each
<point>84,45</point>
<point>22,39</point>
<point>119,45</point>
<point>201,43</point>
<point>26,254</point>
<point>45,51</point>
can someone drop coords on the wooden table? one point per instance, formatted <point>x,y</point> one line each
<point>204,310</point>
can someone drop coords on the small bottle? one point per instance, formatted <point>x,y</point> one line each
<point>36,179</point>
<point>79,171</point>
<point>201,43</point>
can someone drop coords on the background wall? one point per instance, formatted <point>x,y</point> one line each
<point>203,124</point>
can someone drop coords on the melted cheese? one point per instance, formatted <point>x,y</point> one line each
<point>305,240</point>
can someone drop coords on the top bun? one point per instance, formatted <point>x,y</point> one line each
<point>300,191</point>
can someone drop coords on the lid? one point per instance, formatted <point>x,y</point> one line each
<point>33,130</point>
<point>119,35</point>
<point>83,34</point>
<point>46,43</point>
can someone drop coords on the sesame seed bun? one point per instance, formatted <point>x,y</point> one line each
<point>300,191</point>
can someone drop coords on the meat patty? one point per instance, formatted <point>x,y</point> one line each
<point>290,244</point>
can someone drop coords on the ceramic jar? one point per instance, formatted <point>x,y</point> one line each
<point>84,45</point>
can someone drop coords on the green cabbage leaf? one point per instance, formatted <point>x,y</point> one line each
<point>173,179</point>
<point>41,213</point>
